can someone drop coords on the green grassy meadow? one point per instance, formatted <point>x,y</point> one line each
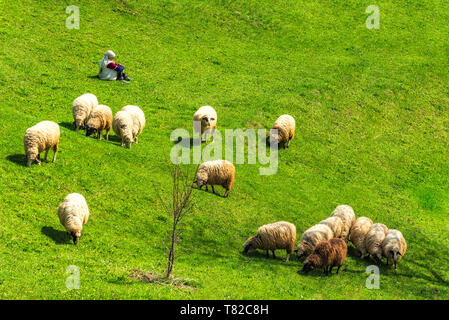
<point>372,131</point>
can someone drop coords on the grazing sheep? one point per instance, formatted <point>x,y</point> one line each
<point>394,246</point>
<point>374,239</point>
<point>99,119</point>
<point>346,214</point>
<point>358,233</point>
<point>326,255</point>
<point>285,125</point>
<point>208,118</point>
<point>311,237</point>
<point>214,172</point>
<point>274,236</point>
<point>81,109</point>
<point>127,124</point>
<point>40,137</point>
<point>335,224</point>
<point>73,213</point>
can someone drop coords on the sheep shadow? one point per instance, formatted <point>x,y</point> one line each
<point>260,256</point>
<point>210,192</point>
<point>58,236</point>
<point>19,159</point>
<point>188,143</point>
<point>68,125</point>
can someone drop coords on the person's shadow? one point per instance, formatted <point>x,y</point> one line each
<point>93,77</point>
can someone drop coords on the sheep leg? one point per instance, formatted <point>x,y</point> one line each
<point>99,135</point>
<point>274,257</point>
<point>330,269</point>
<point>288,256</point>
<point>136,140</point>
<point>107,134</point>
<point>338,268</point>
<point>268,255</point>
<point>46,153</point>
<point>288,143</point>
<point>226,193</point>
<point>55,151</point>
<point>206,187</point>
<point>213,190</point>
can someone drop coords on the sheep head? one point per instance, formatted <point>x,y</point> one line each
<point>201,178</point>
<point>394,253</point>
<point>90,130</point>
<point>312,262</point>
<point>32,154</point>
<point>205,121</point>
<point>75,236</point>
<point>126,132</point>
<point>248,245</point>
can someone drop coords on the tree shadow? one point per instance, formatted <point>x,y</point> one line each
<point>58,236</point>
<point>19,159</point>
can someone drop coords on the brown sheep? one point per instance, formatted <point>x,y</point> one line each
<point>99,119</point>
<point>326,255</point>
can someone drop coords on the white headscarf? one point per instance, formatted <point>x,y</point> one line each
<point>105,61</point>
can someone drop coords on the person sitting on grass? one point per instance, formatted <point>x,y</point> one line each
<point>109,70</point>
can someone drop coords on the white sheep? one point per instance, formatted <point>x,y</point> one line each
<point>81,109</point>
<point>73,213</point>
<point>335,224</point>
<point>394,246</point>
<point>128,123</point>
<point>41,137</point>
<point>311,237</point>
<point>205,120</point>
<point>358,232</point>
<point>99,119</point>
<point>285,126</point>
<point>374,239</point>
<point>346,214</point>
<point>279,235</point>
<point>215,172</point>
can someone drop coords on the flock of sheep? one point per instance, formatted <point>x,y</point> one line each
<point>324,244</point>
<point>128,123</point>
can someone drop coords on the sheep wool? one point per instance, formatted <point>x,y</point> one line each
<point>286,126</point>
<point>127,124</point>
<point>346,214</point>
<point>374,239</point>
<point>73,213</point>
<point>279,235</point>
<point>138,118</point>
<point>394,246</point>
<point>335,224</point>
<point>358,232</point>
<point>41,137</point>
<point>326,255</point>
<point>99,119</point>
<point>216,172</point>
<point>81,109</point>
<point>207,116</point>
<point>311,237</point>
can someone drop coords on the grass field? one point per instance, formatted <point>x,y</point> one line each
<point>371,110</point>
